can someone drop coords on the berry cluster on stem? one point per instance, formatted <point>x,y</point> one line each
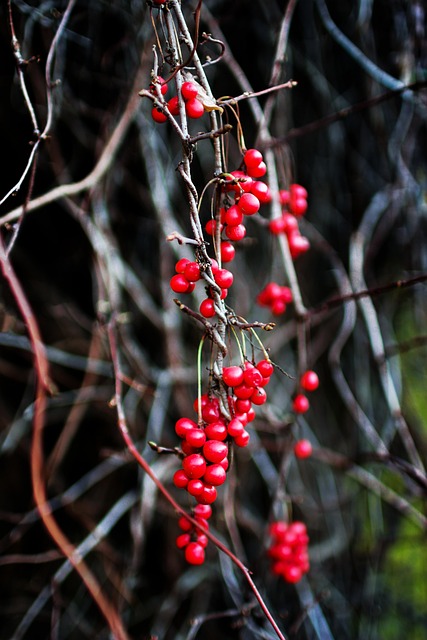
<point>294,202</point>
<point>288,550</point>
<point>205,445</point>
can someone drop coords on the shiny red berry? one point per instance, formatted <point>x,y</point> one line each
<point>207,308</point>
<point>227,252</point>
<point>303,449</point>
<point>158,115</point>
<point>265,367</point>
<point>235,232</point>
<point>300,403</point>
<point>214,451</point>
<point>249,204</point>
<point>189,90</point>
<point>194,553</point>
<point>309,380</point>
<point>215,475</point>
<point>232,376</point>
<point>194,108</point>
<point>194,465</point>
<point>252,158</point>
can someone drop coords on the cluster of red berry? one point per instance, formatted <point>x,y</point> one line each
<point>193,540</point>
<point>188,272</point>
<point>294,204</point>
<point>288,550</point>
<point>194,108</point>
<point>309,381</point>
<point>248,193</point>
<point>276,297</point>
<point>205,445</point>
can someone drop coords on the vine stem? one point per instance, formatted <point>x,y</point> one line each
<point>43,387</point>
<point>122,424</point>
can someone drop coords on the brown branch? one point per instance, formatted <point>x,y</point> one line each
<point>365,293</point>
<point>311,127</point>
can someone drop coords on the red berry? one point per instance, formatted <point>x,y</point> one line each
<point>180,479</point>
<point>208,495</point>
<point>184,524</point>
<point>183,540</point>
<point>300,403</point>
<point>298,206</point>
<point>303,449</point>
<point>244,182</point>
<point>270,293</point>
<point>196,437</point>
<point>242,440</point>
<point>261,191</point>
<point>189,90</point>
<point>291,224</point>
<point>248,203</point>
<point>227,252</point>
<point>252,158</point>
<point>242,417</point>
<point>224,278</point>
<point>216,431</point>
<point>235,232</point>
<point>214,451</point>
<point>201,538</point>
<point>158,115</point>
<point>160,81</point>
<point>309,381</point>
<point>210,411</point>
<point>292,573</point>
<point>298,191</point>
<point>278,307</point>
<point>194,553</point>
<point>195,487</point>
<point>259,171</point>
<point>194,465</point>
<point>277,226</point>
<point>233,216</point>
<point>214,266</point>
<point>284,196</point>
<point>259,396</point>
<point>235,428</point>
<point>232,376</point>
<point>242,406</point>
<point>173,105</point>
<point>243,391</point>
<point>298,244</point>
<point>210,227</point>
<point>179,283</point>
<point>181,264</point>
<point>265,367</point>
<point>252,377</point>
<point>215,475</point>
<point>192,272</point>
<point>203,511</point>
<point>194,108</point>
<point>207,308</point>
<point>183,426</point>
